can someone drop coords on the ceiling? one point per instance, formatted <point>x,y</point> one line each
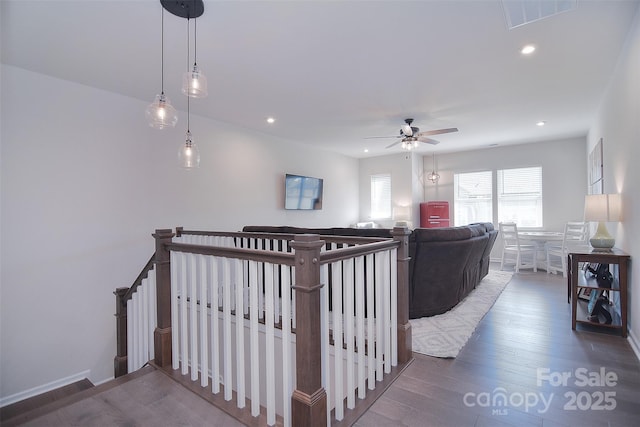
<point>333,73</point>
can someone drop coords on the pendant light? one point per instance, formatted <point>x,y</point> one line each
<point>194,82</point>
<point>189,155</point>
<point>433,176</point>
<point>160,113</point>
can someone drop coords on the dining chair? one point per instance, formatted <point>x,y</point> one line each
<point>513,251</point>
<point>575,236</point>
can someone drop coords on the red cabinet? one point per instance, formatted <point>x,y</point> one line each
<point>434,214</point>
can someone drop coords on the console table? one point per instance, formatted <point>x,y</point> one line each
<point>580,285</point>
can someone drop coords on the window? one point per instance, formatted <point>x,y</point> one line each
<point>381,196</point>
<point>520,196</point>
<point>473,197</point>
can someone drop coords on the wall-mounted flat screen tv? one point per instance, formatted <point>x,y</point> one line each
<point>302,192</point>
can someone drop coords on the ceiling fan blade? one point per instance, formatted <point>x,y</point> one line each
<point>406,130</point>
<point>437,131</point>
<point>428,140</point>
<point>378,137</point>
<point>397,142</point>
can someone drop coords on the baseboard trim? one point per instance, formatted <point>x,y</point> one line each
<point>634,343</point>
<point>44,388</point>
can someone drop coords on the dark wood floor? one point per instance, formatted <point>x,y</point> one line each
<point>527,330</point>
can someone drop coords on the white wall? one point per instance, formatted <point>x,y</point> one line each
<point>401,167</point>
<point>618,125</point>
<point>564,176</point>
<point>85,182</point>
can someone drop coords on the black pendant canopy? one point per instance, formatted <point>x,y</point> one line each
<point>184,8</point>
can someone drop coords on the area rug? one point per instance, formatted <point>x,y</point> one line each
<point>445,334</point>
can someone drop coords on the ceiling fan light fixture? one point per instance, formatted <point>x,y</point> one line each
<point>409,143</point>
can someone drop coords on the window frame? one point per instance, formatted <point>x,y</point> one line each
<point>377,210</point>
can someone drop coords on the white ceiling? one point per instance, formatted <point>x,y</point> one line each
<point>335,72</point>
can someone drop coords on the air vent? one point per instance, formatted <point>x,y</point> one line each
<point>521,12</point>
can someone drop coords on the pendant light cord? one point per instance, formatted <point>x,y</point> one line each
<point>188,95</point>
<point>195,41</point>
<point>162,52</point>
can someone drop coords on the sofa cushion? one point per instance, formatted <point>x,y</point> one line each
<point>443,234</point>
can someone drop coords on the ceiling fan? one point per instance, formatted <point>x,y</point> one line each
<point>411,135</point>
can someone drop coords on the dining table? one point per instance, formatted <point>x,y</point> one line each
<point>541,238</point>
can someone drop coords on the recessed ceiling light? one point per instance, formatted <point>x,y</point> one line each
<point>528,49</point>
<point>271,120</point>
<point>366,150</point>
<point>541,123</point>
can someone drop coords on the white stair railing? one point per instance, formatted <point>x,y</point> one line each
<point>141,315</point>
<point>233,318</point>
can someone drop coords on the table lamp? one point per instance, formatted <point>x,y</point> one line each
<point>602,208</point>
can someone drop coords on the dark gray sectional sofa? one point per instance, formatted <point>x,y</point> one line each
<point>446,263</point>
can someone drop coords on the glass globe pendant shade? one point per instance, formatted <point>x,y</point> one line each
<point>433,177</point>
<point>160,113</point>
<point>189,155</point>
<point>194,83</point>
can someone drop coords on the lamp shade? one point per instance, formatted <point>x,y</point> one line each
<point>602,207</point>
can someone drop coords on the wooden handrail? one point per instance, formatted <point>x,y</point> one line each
<point>329,238</point>
<point>284,258</point>
<point>143,275</point>
<point>360,250</point>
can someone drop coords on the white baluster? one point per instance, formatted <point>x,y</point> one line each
<point>371,322</point>
<point>336,291</point>
<point>360,333</point>
<point>394,307</point>
<point>193,314</point>
<point>324,333</point>
<point>175,324</point>
<point>254,338</point>
<point>204,343</point>
<point>226,336</point>
<point>379,286</point>
<point>239,280</point>
<point>270,345</point>
<point>153,312</point>
<point>130,328</point>
<point>184,334</point>
<point>144,327</point>
<point>214,280</point>
<point>386,283</point>
<point>287,367</point>
<point>348,287</point>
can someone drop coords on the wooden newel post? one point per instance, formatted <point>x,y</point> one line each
<point>120,364</point>
<point>405,348</point>
<point>309,399</point>
<point>162,334</point>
